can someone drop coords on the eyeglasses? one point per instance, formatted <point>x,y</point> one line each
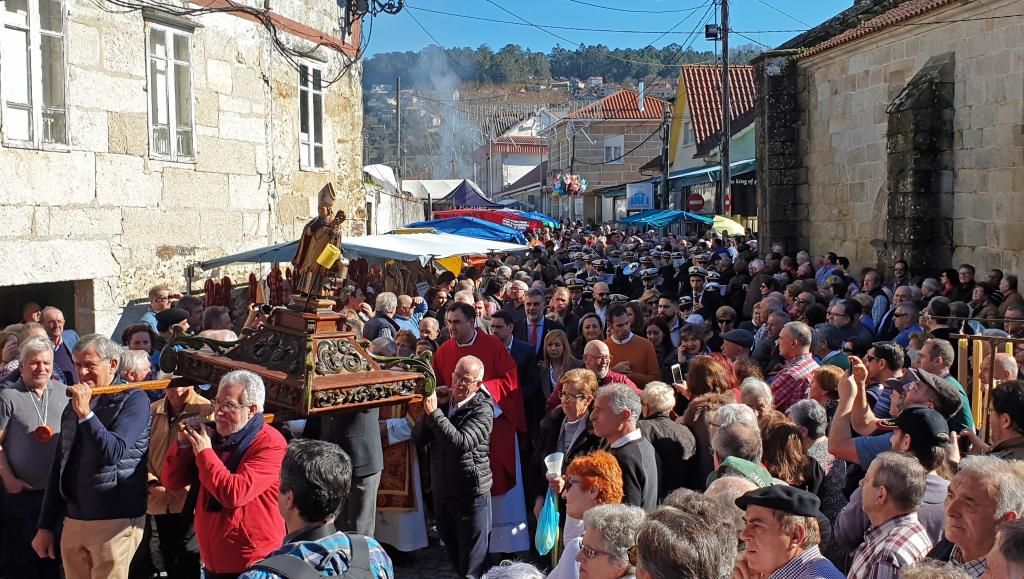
<point>726,321</point>
<point>228,406</point>
<point>569,483</point>
<point>592,553</point>
<point>901,315</point>
<point>567,396</point>
<point>804,302</point>
<point>162,298</point>
<point>836,315</point>
<point>870,358</point>
<point>598,358</point>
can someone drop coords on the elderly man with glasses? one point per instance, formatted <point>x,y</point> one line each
<point>238,462</point>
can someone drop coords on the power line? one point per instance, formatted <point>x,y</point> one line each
<point>786,14</point>
<point>632,11</point>
<point>768,46</point>
<point>624,155</point>
<point>556,26</point>
<point>438,43</point>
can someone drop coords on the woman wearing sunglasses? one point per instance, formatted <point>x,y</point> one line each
<point>591,480</point>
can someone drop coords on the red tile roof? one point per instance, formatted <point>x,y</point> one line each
<point>520,140</point>
<point>906,11</point>
<point>622,105</point>
<point>704,96</point>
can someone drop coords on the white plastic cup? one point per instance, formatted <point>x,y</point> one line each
<point>554,463</point>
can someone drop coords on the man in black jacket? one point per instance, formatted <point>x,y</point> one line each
<point>459,433</point>
<point>358,434</point>
<point>674,444</point>
<point>614,416</point>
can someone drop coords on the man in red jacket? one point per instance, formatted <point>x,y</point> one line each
<point>237,518</point>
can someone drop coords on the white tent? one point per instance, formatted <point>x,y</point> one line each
<point>421,246</point>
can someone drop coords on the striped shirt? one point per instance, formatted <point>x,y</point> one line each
<point>897,543</point>
<point>975,568</point>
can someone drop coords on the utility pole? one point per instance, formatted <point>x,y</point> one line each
<point>666,126</point>
<point>726,115</point>
<point>398,132</point>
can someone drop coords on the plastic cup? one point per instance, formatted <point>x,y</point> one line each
<point>554,463</point>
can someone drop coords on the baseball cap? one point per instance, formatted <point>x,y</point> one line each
<point>926,427</point>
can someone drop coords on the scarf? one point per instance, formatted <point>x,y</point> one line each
<point>235,447</point>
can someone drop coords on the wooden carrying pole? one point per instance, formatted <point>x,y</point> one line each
<point>970,355</point>
<point>172,382</point>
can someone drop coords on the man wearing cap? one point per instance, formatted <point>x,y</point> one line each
<point>705,301</point>
<point>782,535</point>
<point>919,432</point>
<point>736,344</point>
<point>166,321</point>
<point>893,489</point>
<point>921,388</point>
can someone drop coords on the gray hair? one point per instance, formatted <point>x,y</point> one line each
<point>617,525</point>
<point>1001,474</point>
<point>34,346</point>
<point>757,264</point>
<point>472,362</point>
<point>932,284</point>
<point>431,322</point>
<point>513,570</point>
<point>465,297</point>
<point>758,388</point>
<point>519,283</point>
<point>383,346</point>
<point>253,391</point>
<point>810,415</point>
<point>100,345</point>
<point>534,293</point>
<point>725,490</point>
<point>658,397</point>
<point>736,413</point>
<point>386,303</point>
<point>738,440</point>
<point>903,476</point>
<point>1006,363</point>
<point>932,569</point>
<point>622,398</point>
<point>133,361</point>
<point>800,332</point>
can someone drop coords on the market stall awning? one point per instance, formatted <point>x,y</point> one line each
<point>421,246</point>
<point>545,219</point>
<point>414,246</point>
<point>471,227</point>
<point>662,217</point>
<point>725,225</point>
<point>280,253</point>
<point>712,174</point>
<point>512,219</point>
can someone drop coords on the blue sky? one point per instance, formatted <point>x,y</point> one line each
<point>754,18</point>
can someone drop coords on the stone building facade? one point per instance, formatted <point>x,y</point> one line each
<point>881,136</point>
<point>135,143</point>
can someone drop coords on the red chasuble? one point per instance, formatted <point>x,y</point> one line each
<point>502,382</point>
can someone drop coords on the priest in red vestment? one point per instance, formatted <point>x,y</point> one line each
<point>501,382</point>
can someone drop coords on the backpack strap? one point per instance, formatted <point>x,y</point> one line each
<point>288,567</point>
<point>359,563</point>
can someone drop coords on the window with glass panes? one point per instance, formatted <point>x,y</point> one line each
<point>32,73</point>
<point>311,118</point>
<point>171,133</point>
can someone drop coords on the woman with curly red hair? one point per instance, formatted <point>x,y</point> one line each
<point>592,479</point>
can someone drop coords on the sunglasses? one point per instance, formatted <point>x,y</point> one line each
<point>726,321</point>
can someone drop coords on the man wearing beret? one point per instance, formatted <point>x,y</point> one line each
<point>736,344</point>
<point>782,536</point>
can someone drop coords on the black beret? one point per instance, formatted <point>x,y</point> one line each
<point>169,317</point>
<point>740,337</point>
<point>785,498</point>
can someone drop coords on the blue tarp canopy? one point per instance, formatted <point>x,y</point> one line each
<point>548,221</point>
<point>658,218</point>
<point>280,253</point>
<point>472,227</point>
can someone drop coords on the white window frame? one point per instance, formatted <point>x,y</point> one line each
<point>307,142</point>
<point>172,83</point>
<point>35,70</point>
<point>614,148</point>
<point>688,137</point>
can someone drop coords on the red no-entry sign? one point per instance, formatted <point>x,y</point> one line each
<point>695,202</point>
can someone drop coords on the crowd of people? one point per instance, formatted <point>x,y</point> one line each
<point>719,410</point>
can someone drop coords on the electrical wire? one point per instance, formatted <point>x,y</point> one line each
<point>629,10</point>
<point>624,155</point>
<point>438,43</point>
<point>786,14</point>
<point>552,26</point>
